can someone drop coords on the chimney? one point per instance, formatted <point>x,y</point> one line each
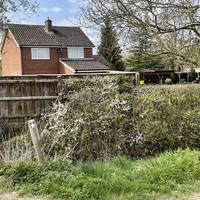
<point>48,25</point>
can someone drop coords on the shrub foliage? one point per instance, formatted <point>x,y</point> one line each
<point>101,117</point>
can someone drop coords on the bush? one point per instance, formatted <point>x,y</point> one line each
<point>168,118</point>
<point>183,81</point>
<point>107,116</point>
<point>89,125</point>
<point>22,173</point>
<point>168,81</point>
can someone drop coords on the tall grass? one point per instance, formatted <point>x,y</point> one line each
<point>18,148</point>
<point>119,179</point>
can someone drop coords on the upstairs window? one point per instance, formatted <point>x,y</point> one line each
<point>40,53</point>
<point>75,52</point>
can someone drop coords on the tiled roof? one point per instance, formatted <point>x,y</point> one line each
<point>36,35</point>
<point>102,59</point>
<point>86,65</point>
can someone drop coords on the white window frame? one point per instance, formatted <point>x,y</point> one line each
<point>37,56</point>
<point>80,53</point>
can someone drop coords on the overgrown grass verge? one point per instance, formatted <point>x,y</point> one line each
<point>120,179</point>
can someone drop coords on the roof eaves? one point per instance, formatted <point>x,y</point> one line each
<point>3,40</point>
<point>57,46</point>
<point>87,37</point>
<point>91,70</point>
<point>14,38</point>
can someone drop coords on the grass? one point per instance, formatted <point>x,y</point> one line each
<point>170,174</point>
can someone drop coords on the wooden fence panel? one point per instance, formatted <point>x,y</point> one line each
<point>25,97</point>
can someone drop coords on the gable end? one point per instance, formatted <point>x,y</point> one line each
<point>4,39</point>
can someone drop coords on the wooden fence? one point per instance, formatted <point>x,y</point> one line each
<point>25,97</point>
<point>22,98</point>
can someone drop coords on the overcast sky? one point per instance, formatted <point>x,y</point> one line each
<point>61,12</point>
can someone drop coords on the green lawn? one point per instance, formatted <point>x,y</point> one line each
<point>170,174</point>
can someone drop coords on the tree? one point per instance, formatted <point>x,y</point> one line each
<point>139,54</point>
<point>109,47</point>
<point>8,7</point>
<point>173,25</point>
<point>138,57</point>
<point>137,62</point>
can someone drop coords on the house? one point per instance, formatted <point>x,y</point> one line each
<point>48,49</point>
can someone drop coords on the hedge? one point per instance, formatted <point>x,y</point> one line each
<point>100,118</point>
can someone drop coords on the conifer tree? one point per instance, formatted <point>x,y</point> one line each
<point>109,47</point>
<point>139,53</point>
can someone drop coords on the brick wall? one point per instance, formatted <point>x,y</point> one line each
<point>50,66</point>
<point>18,61</point>
<point>88,53</point>
<point>11,57</point>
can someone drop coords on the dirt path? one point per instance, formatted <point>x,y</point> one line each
<point>190,197</point>
<point>194,197</point>
<point>13,196</point>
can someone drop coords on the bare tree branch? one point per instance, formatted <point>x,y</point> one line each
<point>174,24</point>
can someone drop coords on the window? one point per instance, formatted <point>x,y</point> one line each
<point>40,53</point>
<point>75,52</point>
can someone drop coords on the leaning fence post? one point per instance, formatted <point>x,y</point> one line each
<point>35,137</point>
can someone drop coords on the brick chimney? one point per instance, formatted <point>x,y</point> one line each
<point>48,25</point>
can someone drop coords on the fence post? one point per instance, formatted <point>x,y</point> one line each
<point>35,137</point>
<point>137,78</point>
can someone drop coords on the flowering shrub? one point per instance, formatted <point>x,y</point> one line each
<point>101,117</point>
<point>95,122</point>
